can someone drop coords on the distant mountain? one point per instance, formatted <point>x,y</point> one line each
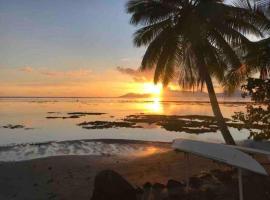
<point>135,95</point>
<point>187,95</point>
<point>167,93</point>
<point>177,93</point>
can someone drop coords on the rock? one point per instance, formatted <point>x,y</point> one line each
<point>109,185</point>
<point>140,193</point>
<point>201,195</point>
<point>175,189</point>
<point>158,186</point>
<point>222,176</point>
<point>147,186</point>
<point>172,184</point>
<point>159,191</point>
<point>139,190</point>
<point>195,182</point>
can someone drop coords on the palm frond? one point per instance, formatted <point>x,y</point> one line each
<point>146,34</point>
<point>155,48</point>
<point>147,12</point>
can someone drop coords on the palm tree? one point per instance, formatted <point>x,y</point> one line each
<point>197,39</point>
<point>264,5</point>
<point>258,59</point>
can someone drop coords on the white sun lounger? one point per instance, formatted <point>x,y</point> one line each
<point>250,150</point>
<point>221,153</point>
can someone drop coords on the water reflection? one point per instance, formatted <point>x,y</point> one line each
<point>148,151</point>
<point>153,105</point>
<point>33,112</point>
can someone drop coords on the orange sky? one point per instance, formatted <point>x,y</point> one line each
<point>28,81</point>
<point>69,48</point>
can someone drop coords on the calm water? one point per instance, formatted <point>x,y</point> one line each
<point>32,114</point>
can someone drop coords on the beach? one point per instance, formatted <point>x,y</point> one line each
<point>53,149</point>
<point>135,100</point>
<point>72,177</point>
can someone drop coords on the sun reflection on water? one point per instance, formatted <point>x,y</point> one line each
<point>154,105</point>
<point>148,151</point>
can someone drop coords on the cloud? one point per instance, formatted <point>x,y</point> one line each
<point>27,69</point>
<point>70,73</point>
<point>76,73</point>
<point>136,74</point>
<point>125,59</point>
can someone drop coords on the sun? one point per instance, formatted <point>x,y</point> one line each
<point>154,89</point>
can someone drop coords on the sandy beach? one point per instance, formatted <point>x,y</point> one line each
<point>72,177</point>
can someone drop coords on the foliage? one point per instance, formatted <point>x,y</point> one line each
<point>198,39</point>
<point>195,37</point>
<point>187,35</point>
<point>258,57</point>
<point>259,91</point>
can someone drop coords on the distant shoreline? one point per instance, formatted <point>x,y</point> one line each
<point>33,97</point>
<point>130,99</point>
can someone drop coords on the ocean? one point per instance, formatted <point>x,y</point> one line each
<point>40,127</point>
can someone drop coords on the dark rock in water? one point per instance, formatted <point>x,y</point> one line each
<point>53,112</point>
<point>109,185</point>
<point>85,113</point>
<point>72,115</point>
<point>195,124</point>
<point>107,124</point>
<point>10,126</point>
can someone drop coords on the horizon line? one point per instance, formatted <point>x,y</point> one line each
<point>55,97</point>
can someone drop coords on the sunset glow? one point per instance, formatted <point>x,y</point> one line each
<point>154,89</point>
<point>154,105</point>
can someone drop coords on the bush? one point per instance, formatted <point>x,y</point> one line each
<point>256,114</point>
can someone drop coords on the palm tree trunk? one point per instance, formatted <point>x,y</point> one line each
<point>213,98</point>
<point>216,109</point>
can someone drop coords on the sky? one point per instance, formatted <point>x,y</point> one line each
<point>67,48</point>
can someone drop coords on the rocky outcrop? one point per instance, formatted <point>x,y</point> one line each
<point>109,185</point>
<point>213,185</point>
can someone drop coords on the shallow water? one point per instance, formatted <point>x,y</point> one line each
<point>33,114</point>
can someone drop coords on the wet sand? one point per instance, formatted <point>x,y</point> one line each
<point>72,177</point>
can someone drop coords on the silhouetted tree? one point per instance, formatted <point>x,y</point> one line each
<point>258,57</point>
<point>199,40</point>
<point>259,91</point>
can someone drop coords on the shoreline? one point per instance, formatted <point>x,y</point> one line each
<point>92,147</point>
<point>72,177</point>
<point>86,147</point>
<point>123,99</point>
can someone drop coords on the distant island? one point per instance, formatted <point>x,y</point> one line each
<point>135,95</point>
<point>187,95</point>
<point>167,93</point>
